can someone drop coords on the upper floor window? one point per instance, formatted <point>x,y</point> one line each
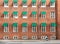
<point>33,3</point>
<point>34,14</point>
<point>24,3</point>
<point>52,14</point>
<point>24,27</point>
<point>53,27</point>
<point>43,14</point>
<point>6,28</point>
<point>6,3</point>
<point>15,27</point>
<point>34,27</point>
<point>6,14</point>
<point>43,3</point>
<point>43,27</point>
<point>15,3</point>
<point>52,3</point>
<point>15,14</point>
<point>24,14</point>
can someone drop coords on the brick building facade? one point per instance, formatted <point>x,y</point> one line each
<point>29,19</point>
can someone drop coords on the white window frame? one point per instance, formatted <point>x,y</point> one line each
<point>53,37</point>
<point>6,16</point>
<point>53,5</point>
<point>24,4</point>
<point>6,29</point>
<point>52,29</point>
<point>15,37</point>
<point>43,5</point>
<point>34,29</point>
<point>15,16</point>
<point>34,37</point>
<point>5,37</point>
<point>15,5</point>
<point>43,16</point>
<point>52,15</point>
<point>6,4</point>
<point>24,37</point>
<point>24,16</point>
<point>43,29</point>
<point>33,4</point>
<point>44,37</point>
<point>33,16</point>
<point>15,29</point>
<point>24,29</point>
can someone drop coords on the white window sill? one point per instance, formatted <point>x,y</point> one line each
<point>6,6</point>
<point>43,6</point>
<point>33,6</point>
<point>52,6</point>
<point>25,6</point>
<point>25,17</point>
<point>15,17</point>
<point>15,6</point>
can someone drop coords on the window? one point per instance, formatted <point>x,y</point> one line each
<point>6,14</point>
<point>5,37</point>
<point>5,3</point>
<point>33,3</point>
<point>44,37</point>
<point>24,37</point>
<point>24,29</point>
<point>34,37</point>
<point>52,3</point>
<point>43,3</point>
<point>15,37</point>
<point>43,29</point>
<point>52,29</point>
<point>6,29</point>
<point>34,29</point>
<point>24,14</point>
<point>52,14</point>
<point>15,14</point>
<point>34,14</point>
<point>24,3</point>
<point>53,38</point>
<point>15,3</point>
<point>43,14</point>
<point>15,29</point>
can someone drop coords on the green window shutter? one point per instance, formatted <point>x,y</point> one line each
<point>15,13</point>
<point>53,24</point>
<point>33,1</point>
<point>24,13</point>
<point>34,12</point>
<point>24,24</point>
<point>15,1</point>
<point>5,12</point>
<point>5,1</point>
<point>43,12</point>
<point>15,24</point>
<point>24,1</point>
<point>43,24</point>
<point>5,24</point>
<point>52,1</point>
<point>34,24</point>
<point>43,1</point>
